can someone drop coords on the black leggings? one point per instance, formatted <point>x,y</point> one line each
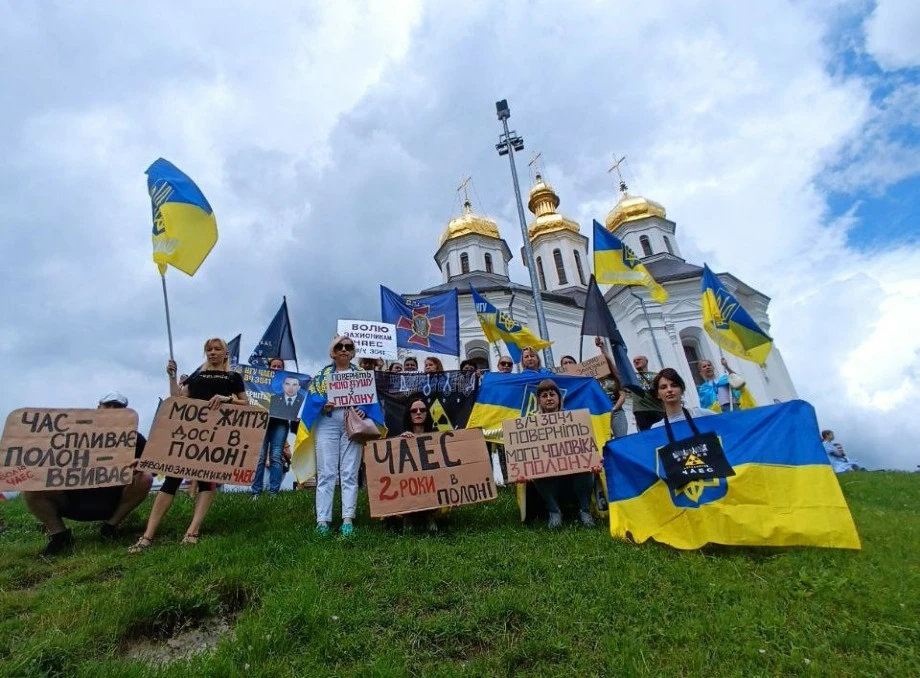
<point>171,484</point>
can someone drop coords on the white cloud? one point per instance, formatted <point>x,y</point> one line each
<point>330,139</point>
<point>891,34</point>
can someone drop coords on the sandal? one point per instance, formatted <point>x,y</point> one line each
<point>140,545</point>
<point>189,539</point>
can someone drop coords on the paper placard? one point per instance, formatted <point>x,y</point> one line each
<point>351,389</point>
<point>596,367</point>
<point>372,339</point>
<point>449,468</point>
<point>280,392</point>
<point>67,449</point>
<point>190,440</point>
<point>546,445</point>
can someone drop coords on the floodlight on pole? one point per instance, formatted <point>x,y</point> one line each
<point>509,142</point>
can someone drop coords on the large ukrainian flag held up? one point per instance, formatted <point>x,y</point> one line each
<point>784,491</point>
<point>511,396</point>
<point>616,264</point>
<point>499,325</point>
<point>184,226</point>
<point>729,325</point>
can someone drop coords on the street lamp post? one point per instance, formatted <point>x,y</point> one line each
<point>509,142</point>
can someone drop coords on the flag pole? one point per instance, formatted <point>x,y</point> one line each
<point>168,323</point>
<point>731,396</point>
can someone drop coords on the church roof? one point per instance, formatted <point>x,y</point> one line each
<point>543,203</point>
<point>672,268</point>
<point>493,282</point>
<point>470,222</point>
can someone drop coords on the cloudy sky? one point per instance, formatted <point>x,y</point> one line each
<point>783,138</point>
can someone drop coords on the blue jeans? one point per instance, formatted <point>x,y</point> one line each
<point>274,445</point>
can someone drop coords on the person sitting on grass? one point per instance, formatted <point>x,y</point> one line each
<point>111,505</point>
<point>835,454</point>
<point>549,399</point>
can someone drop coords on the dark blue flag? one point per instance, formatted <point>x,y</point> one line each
<point>233,348</point>
<point>431,324</point>
<point>598,322</point>
<point>277,342</point>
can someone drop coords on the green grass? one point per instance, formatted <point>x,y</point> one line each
<point>486,597</point>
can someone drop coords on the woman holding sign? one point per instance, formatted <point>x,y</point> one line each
<point>337,456</point>
<point>215,383</point>
<point>417,421</point>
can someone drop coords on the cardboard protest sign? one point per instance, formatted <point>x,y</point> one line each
<point>57,449</point>
<point>545,445</point>
<point>372,339</point>
<point>451,468</point>
<point>350,389</point>
<point>596,367</point>
<point>189,439</point>
<point>280,392</point>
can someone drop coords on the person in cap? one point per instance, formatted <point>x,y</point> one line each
<point>111,505</point>
<point>549,399</point>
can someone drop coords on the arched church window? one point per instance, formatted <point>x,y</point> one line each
<point>691,340</point>
<point>464,263</point>
<point>540,273</point>
<point>646,246</point>
<point>488,263</point>
<point>448,270</point>
<point>667,244</point>
<point>560,269</point>
<point>581,271</point>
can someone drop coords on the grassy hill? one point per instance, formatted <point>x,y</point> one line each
<point>485,597</point>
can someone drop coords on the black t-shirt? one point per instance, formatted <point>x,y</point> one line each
<point>209,383</point>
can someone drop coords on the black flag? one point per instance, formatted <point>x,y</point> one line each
<point>277,342</point>
<point>598,322</point>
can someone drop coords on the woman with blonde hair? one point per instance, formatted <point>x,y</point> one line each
<point>337,456</point>
<point>215,383</point>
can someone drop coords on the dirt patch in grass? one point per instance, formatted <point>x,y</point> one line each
<point>182,645</point>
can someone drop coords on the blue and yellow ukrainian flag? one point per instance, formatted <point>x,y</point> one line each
<point>616,264</point>
<point>184,226</point>
<point>303,457</point>
<point>499,325</point>
<point>784,493</point>
<point>512,396</point>
<point>729,325</point>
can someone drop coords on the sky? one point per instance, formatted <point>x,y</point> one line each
<point>782,137</point>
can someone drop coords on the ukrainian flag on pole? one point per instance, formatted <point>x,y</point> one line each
<point>616,264</point>
<point>499,325</point>
<point>729,325</point>
<point>184,226</point>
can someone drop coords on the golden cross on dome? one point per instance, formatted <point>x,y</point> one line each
<point>464,182</point>
<point>534,165</point>
<point>616,166</point>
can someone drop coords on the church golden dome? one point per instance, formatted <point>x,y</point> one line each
<point>470,223</point>
<point>543,203</point>
<point>633,208</point>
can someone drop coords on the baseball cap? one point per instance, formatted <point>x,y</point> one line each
<point>114,397</point>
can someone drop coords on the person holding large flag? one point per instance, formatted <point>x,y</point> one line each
<point>215,383</point>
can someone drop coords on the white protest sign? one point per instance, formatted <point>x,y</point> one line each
<point>372,339</point>
<point>350,389</point>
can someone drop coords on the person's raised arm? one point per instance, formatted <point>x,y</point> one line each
<point>610,364</point>
<point>174,388</point>
<point>725,365</point>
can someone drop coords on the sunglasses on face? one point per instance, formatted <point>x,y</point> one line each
<point>343,347</point>
<point>418,410</point>
<point>506,364</point>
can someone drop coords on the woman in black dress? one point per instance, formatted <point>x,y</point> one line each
<point>215,383</point>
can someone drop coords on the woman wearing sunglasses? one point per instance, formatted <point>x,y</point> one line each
<point>337,456</point>
<point>417,421</point>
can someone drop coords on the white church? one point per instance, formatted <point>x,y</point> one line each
<point>668,334</point>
